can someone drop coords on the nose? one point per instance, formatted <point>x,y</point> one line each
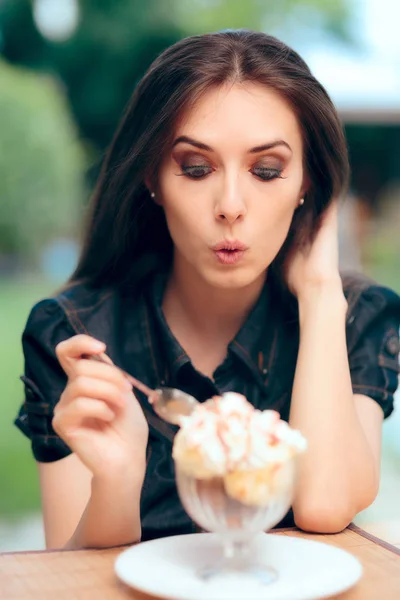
<point>230,205</point>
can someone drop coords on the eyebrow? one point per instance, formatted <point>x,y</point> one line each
<point>187,140</point>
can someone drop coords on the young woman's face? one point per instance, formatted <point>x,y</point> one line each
<point>231,184</point>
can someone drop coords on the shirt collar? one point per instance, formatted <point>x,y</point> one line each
<point>173,353</point>
<point>250,343</point>
<point>254,344</point>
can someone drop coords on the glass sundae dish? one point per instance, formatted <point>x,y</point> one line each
<point>235,470</point>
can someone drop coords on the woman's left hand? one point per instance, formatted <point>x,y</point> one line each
<point>316,266</point>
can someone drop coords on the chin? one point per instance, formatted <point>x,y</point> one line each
<point>233,279</point>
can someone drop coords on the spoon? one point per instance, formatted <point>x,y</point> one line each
<point>168,403</point>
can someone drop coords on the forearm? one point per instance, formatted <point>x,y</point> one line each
<point>112,515</point>
<point>337,477</point>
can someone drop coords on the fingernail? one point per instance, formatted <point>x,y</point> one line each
<point>98,346</point>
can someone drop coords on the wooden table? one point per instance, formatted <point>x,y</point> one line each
<point>89,574</point>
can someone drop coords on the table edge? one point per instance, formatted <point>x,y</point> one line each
<point>58,550</point>
<point>359,531</point>
<point>352,527</point>
<point>52,550</point>
<point>374,539</point>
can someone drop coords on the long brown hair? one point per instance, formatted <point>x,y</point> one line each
<point>126,233</point>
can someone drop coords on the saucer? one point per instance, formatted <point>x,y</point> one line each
<point>307,570</point>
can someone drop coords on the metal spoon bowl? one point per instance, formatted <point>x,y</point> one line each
<point>169,404</point>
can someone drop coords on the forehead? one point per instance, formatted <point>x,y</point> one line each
<point>245,114</point>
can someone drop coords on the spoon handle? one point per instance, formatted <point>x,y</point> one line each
<point>103,358</point>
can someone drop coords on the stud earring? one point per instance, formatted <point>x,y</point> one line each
<point>301,201</point>
<point>152,195</point>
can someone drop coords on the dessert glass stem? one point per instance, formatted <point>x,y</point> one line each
<point>235,552</point>
<point>237,557</point>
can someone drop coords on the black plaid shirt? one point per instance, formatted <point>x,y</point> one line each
<point>260,363</point>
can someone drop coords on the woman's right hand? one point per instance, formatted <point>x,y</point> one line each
<point>98,416</point>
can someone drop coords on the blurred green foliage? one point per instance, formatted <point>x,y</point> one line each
<point>101,62</point>
<point>117,39</point>
<point>41,163</point>
<point>19,489</point>
<point>332,16</point>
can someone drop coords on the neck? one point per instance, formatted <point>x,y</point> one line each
<point>205,310</point>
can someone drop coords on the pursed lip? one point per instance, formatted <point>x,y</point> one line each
<point>230,245</point>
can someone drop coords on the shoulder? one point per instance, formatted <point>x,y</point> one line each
<point>110,315</point>
<point>57,309</point>
<point>371,307</point>
<point>76,309</point>
<point>84,308</point>
<point>361,291</point>
<point>372,331</point>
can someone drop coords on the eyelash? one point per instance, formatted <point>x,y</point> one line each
<point>190,171</point>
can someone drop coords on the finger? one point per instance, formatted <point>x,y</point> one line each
<point>98,370</point>
<point>69,351</point>
<point>98,389</point>
<point>78,412</point>
<point>106,358</point>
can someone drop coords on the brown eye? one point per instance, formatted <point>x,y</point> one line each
<point>196,171</point>
<point>266,173</point>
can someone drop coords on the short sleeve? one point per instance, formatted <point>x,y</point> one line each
<point>44,380</point>
<point>373,345</point>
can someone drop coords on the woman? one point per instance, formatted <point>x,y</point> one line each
<point>210,264</point>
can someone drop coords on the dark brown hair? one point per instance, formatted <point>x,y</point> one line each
<point>126,233</point>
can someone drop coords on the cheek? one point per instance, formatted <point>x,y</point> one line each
<point>185,211</point>
<point>274,218</point>
<point>275,210</point>
<point>275,237</point>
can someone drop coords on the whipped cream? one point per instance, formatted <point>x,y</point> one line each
<point>227,434</point>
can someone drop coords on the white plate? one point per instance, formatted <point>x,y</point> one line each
<point>307,570</point>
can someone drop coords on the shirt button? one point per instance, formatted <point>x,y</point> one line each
<point>392,345</point>
<point>265,371</point>
<point>29,392</point>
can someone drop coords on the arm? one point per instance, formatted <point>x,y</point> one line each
<point>88,435</point>
<point>79,511</point>
<point>92,498</point>
<point>339,475</point>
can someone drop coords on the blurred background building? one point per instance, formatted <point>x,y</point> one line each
<point>67,69</point>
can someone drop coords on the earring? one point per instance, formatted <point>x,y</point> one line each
<point>152,195</point>
<point>301,201</point>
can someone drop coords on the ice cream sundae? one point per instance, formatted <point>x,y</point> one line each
<point>227,440</point>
